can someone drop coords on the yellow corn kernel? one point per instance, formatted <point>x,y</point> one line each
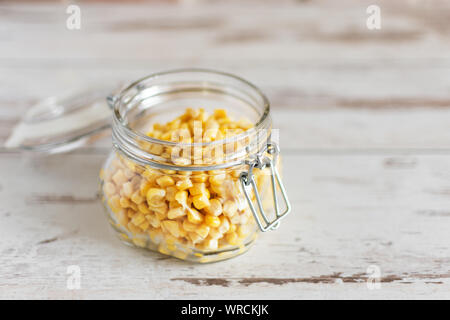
<point>165,181</point>
<point>156,149</point>
<point>143,208</point>
<point>144,225</point>
<point>128,173</point>
<point>220,113</point>
<point>215,207</point>
<point>215,233</point>
<point>217,179</point>
<point>136,197</point>
<point>232,238</point>
<point>138,219</point>
<point>202,230</point>
<point>155,234</point>
<point>181,197</point>
<point>210,244</point>
<point>236,219</point>
<point>229,208</point>
<point>172,227</point>
<point>122,217</point>
<point>133,206</point>
<point>176,213</point>
<point>170,193</point>
<point>150,173</point>
<point>212,221</point>
<point>155,196</point>
<point>124,202</point>
<point>140,242</point>
<point>130,213</point>
<point>194,237</point>
<point>194,216</point>
<point>161,211</point>
<point>143,188</point>
<point>153,220</point>
<point>133,228</point>
<point>168,171</point>
<point>184,184</point>
<point>163,249</point>
<point>127,189</point>
<point>189,226</point>
<point>200,201</point>
<point>119,178</point>
<point>114,203</point>
<point>109,188</point>
<point>197,188</point>
<point>199,177</point>
<point>224,224</point>
<point>180,254</point>
<point>243,231</point>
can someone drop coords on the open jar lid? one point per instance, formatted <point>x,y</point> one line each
<point>62,123</point>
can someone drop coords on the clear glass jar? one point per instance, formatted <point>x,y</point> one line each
<point>199,201</point>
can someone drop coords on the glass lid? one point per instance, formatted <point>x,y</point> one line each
<point>58,124</point>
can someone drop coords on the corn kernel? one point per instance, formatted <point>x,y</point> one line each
<point>127,189</point>
<point>139,242</point>
<point>155,196</point>
<point>194,237</point>
<point>184,184</point>
<point>165,181</point>
<point>210,244</point>
<point>124,202</point>
<point>200,201</point>
<point>109,188</point>
<point>176,213</point>
<point>181,197</point>
<point>197,188</point>
<point>202,230</point>
<point>136,197</point>
<point>243,231</point>
<point>212,221</point>
<point>215,207</point>
<point>224,225</point>
<point>232,238</point>
<point>153,220</point>
<point>145,185</point>
<point>220,113</point>
<point>189,226</point>
<point>194,216</point>
<point>170,193</point>
<point>119,178</point>
<point>138,219</point>
<point>199,177</point>
<point>172,227</point>
<point>143,208</point>
<point>144,225</point>
<point>229,208</point>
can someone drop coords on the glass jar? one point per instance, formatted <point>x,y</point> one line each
<point>198,200</point>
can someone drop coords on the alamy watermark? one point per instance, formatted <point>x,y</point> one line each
<point>74,278</point>
<point>73,21</point>
<point>373,21</point>
<point>373,277</point>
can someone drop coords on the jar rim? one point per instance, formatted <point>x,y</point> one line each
<point>118,119</point>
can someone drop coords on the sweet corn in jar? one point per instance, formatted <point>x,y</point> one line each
<point>177,188</point>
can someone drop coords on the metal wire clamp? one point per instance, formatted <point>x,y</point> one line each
<point>248,182</point>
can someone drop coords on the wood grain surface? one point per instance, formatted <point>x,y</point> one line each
<point>364,119</point>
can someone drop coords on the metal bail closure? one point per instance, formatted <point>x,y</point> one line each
<point>248,182</point>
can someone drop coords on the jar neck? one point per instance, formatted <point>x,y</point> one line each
<point>163,93</point>
<point>215,155</point>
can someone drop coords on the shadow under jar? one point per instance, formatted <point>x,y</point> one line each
<point>195,198</point>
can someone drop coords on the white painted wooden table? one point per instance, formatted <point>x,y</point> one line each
<point>365,134</point>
